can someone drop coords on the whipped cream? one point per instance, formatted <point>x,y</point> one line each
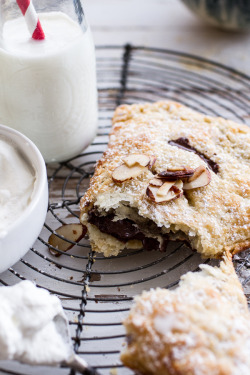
<point>33,326</point>
<point>17,182</point>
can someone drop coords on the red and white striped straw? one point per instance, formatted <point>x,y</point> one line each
<point>31,18</point>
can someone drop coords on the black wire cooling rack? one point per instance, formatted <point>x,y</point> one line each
<point>97,292</point>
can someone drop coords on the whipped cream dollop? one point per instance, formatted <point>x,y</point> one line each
<point>33,326</point>
<point>17,182</point>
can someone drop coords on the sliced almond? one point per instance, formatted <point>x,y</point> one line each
<point>180,174</point>
<point>174,169</point>
<point>197,172</point>
<point>151,192</point>
<point>151,163</point>
<point>156,182</point>
<point>124,173</point>
<point>164,189</point>
<point>203,177</point>
<point>71,233</point>
<point>173,193</point>
<point>177,187</point>
<point>134,159</point>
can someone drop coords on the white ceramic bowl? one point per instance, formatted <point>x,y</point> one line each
<point>25,230</point>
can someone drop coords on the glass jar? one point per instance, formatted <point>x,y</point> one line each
<point>48,87</point>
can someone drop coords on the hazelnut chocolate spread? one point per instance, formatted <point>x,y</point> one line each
<point>184,144</point>
<point>125,230</point>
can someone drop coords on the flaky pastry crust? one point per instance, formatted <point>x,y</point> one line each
<point>214,218</point>
<point>200,328</point>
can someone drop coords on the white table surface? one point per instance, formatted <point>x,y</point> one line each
<point>166,24</point>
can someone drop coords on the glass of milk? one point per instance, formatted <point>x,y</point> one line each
<point>48,87</point>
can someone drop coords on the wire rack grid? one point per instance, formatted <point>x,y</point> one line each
<point>97,292</point>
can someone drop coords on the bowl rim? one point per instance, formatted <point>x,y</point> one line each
<point>36,161</point>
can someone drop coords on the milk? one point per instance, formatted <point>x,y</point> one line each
<point>48,88</point>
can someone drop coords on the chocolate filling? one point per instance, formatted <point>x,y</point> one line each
<point>184,144</point>
<point>125,230</point>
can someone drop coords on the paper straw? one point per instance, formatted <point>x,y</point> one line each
<point>31,18</point>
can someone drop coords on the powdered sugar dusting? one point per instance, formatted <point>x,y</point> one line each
<point>215,217</point>
<point>202,327</point>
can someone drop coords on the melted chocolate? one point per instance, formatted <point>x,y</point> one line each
<point>125,230</point>
<point>184,144</point>
<point>150,244</point>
